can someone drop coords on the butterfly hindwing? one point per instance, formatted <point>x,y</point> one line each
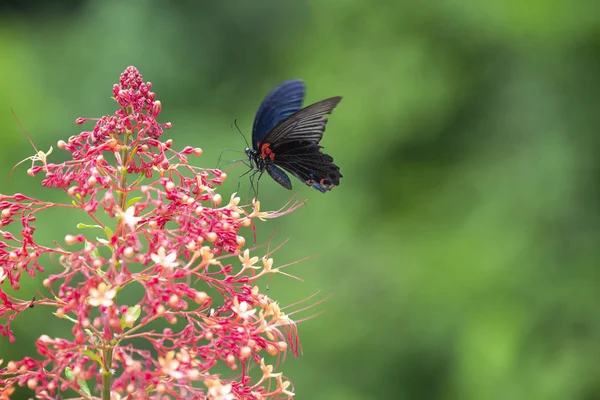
<point>307,162</point>
<point>279,176</point>
<point>280,103</point>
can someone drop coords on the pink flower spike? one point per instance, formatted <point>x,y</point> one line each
<point>149,219</point>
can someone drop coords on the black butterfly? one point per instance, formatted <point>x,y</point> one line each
<point>286,136</point>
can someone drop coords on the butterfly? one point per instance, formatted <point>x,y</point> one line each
<point>286,136</point>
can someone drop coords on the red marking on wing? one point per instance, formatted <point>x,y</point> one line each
<point>266,152</point>
<point>326,183</point>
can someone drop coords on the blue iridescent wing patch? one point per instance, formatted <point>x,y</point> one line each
<point>280,103</point>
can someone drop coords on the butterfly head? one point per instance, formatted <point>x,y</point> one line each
<point>253,157</point>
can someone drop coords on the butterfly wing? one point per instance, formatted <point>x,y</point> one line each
<point>306,124</point>
<point>307,162</point>
<point>279,176</point>
<point>294,145</point>
<point>280,103</point>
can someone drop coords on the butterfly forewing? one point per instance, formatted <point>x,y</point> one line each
<point>306,124</point>
<point>280,103</point>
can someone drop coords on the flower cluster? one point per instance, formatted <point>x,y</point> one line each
<point>155,223</point>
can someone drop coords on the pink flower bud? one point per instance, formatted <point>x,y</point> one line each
<point>200,297</point>
<point>70,239</point>
<point>156,108</point>
<point>245,352</point>
<point>21,197</point>
<point>173,301</point>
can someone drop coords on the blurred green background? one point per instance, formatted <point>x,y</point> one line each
<point>461,248</point>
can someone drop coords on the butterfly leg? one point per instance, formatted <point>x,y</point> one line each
<point>252,188</point>
<point>258,181</point>
<point>240,177</point>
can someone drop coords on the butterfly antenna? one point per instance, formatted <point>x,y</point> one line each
<point>240,131</point>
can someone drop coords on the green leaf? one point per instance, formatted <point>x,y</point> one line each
<point>82,384</point>
<point>95,253</point>
<point>93,356</point>
<point>109,232</point>
<point>132,202</point>
<point>90,334</point>
<point>67,318</point>
<point>84,226</point>
<point>104,241</point>
<point>140,178</point>
<point>84,387</point>
<point>134,312</point>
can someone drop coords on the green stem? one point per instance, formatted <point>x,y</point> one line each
<point>106,374</point>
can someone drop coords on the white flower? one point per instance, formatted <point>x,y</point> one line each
<point>129,217</point>
<point>167,261</point>
<point>243,309</point>
<point>170,364</point>
<point>218,391</point>
<point>248,262</point>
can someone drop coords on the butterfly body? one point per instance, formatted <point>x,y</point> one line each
<point>286,137</point>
